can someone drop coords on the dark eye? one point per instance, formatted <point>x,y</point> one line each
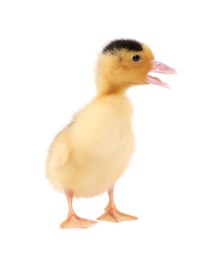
<point>136,58</point>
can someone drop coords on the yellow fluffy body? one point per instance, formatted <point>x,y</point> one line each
<point>90,154</point>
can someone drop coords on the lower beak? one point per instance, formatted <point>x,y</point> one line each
<point>159,67</point>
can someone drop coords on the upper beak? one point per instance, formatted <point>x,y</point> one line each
<point>162,68</point>
<point>159,67</point>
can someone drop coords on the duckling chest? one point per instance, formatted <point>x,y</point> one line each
<point>104,128</point>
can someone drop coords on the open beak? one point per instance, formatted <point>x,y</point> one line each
<point>159,67</point>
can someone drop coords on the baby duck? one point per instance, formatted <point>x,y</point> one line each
<point>93,151</point>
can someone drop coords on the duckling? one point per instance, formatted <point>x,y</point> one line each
<point>89,155</point>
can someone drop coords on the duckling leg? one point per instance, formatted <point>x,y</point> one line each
<point>72,220</point>
<point>111,212</point>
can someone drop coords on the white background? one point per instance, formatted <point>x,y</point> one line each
<point>48,51</point>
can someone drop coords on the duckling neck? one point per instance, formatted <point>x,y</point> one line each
<point>117,104</point>
<point>104,87</point>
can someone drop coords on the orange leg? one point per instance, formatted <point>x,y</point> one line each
<point>111,212</point>
<point>72,220</point>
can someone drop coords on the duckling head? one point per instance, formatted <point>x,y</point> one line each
<point>124,63</point>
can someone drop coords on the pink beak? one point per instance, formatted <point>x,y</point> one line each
<point>159,67</point>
